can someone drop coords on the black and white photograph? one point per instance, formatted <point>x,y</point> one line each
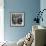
<point>17,19</point>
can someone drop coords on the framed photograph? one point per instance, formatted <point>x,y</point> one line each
<point>17,19</point>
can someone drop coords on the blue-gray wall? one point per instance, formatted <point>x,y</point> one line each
<point>29,7</point>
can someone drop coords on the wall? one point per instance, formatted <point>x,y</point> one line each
<point>29,7</point>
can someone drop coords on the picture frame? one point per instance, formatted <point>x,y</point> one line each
<point>17,19</point>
